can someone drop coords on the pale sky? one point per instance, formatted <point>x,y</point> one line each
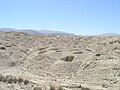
<point>83,17</point>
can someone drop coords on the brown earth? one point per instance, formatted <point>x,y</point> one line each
<point>31,61</point>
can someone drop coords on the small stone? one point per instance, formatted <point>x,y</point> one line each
<point>2,48</point>
<point>68,58</point>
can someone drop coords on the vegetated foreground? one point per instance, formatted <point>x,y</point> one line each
<point>55,62</point>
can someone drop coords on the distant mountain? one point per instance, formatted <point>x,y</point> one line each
<point>30,31</point>
<point>55,32</point>
<point>7,29</point>
<point>109,34</point>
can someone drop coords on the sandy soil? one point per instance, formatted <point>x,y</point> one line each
<point>69,61</point>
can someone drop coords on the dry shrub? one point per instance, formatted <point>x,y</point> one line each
<point>1,77</point>
<point>104,85</point>
<point>85,88</point>
<point>20,80</point>
<point>68,58</point>
<point>26,82</point>
<point>10,80</point>
<point>15,80</point>
<point>4,79</point>
<point>60,88</point>
<point>12,64</point>
<point>2,48</point>
<point>52,87</point>
<point>37,88</point>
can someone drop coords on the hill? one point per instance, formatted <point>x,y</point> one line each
<point>30,31</point>
<point>72,62</point>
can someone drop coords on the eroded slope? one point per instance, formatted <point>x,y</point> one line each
<point>70,61</point>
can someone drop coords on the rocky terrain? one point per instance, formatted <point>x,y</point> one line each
<point>45,62</point>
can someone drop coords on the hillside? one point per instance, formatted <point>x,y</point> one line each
<point>30,31</point>
<point>29,61</point>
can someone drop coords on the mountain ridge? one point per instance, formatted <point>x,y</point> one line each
<point>31,31</point>
<point>51,32</point>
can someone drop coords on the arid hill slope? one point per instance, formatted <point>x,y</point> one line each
<point>69,61</point>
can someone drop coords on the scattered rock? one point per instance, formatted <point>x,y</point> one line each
<point>4,79</point>
<point>37,88</point>
<point>42,52</point>
<point>98,55</point>
<point>26,82</point>
<point>54,49</point>
<point>52,87</point>
<point>73,86</point>
<point>116,41</point>
<point>104,86</point>
<point>87,60</point>
<point>12,64</point>
<point>20,80</point>
<point>88,49</point>
<point>60,88</point>
<point>42,48</point>
<point>24,50</point>
<point>85,88</point>
<point>77,52</point>
<point>15,80</point>
<point>68,58</point>
<point>2,48</point>
<point>58,51</point>
<point>10,80</point>
<point>1,77</point>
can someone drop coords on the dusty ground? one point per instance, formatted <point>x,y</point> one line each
<point>69,61</point>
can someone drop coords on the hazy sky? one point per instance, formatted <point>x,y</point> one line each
<point>85,17</point>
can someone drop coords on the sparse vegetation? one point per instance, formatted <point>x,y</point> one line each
<point>77,52</point>
<point>10,80</point>
<point>20,80</point>
<point>85,88</point>
<point>2,48</point>
<point>15,80</point>
<point>84,62</point>
<point>37,88</point>
<point>98,55</point>
<point>12,64</point>
<point>4,79</point>
<point>68,58</point>
<point>26,82</point>
<point>60,88</point>
<point>104,85</point>
<point>1,77</point>
<point>52,87</point>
